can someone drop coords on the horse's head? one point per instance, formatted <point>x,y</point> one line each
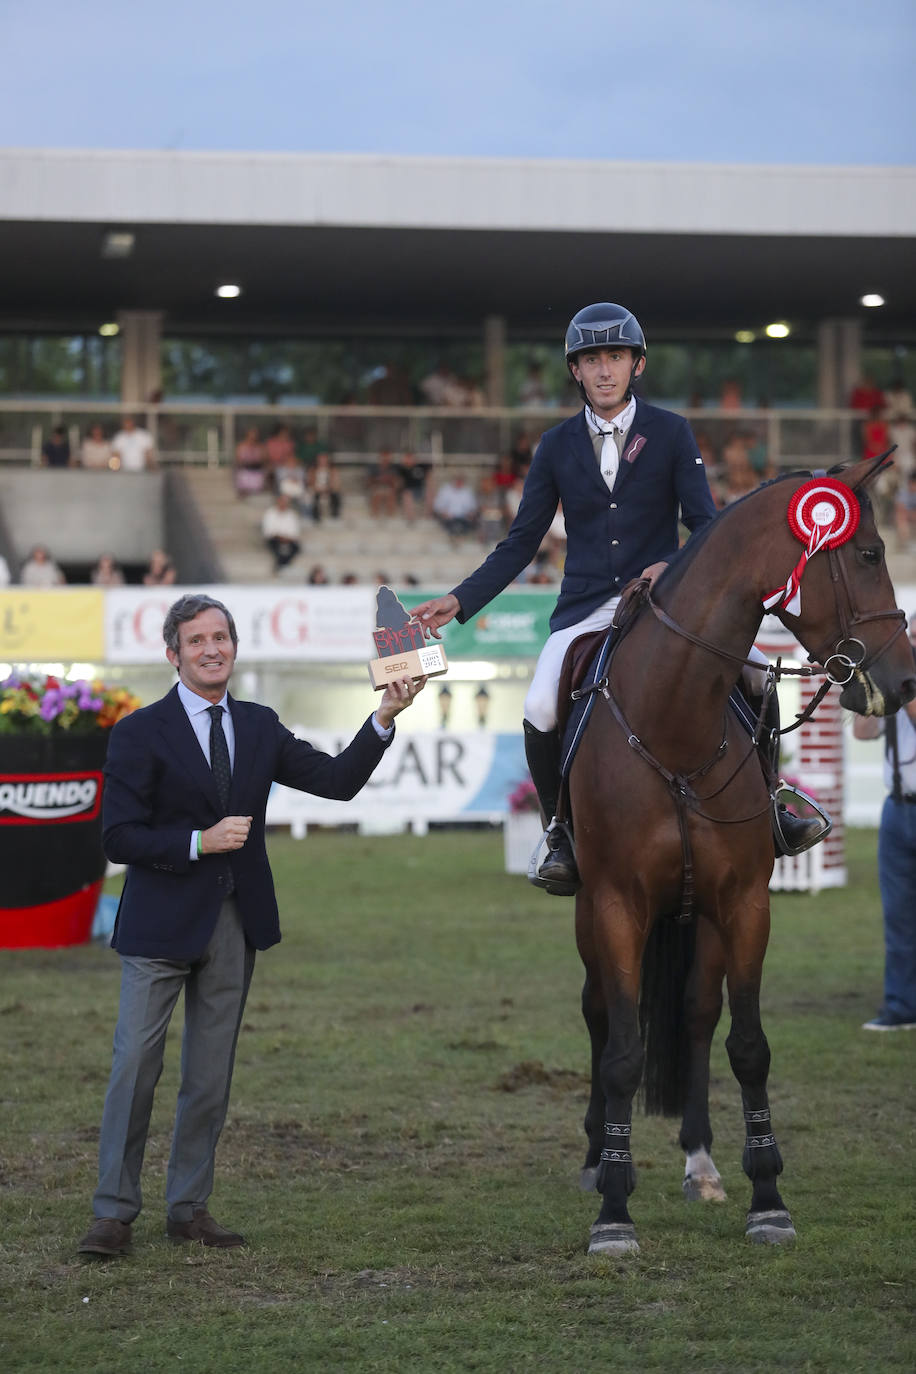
<point>848,618</point>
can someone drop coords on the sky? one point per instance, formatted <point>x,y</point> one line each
<point>734,81</point>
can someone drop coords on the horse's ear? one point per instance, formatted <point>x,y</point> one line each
<point>863,473</point>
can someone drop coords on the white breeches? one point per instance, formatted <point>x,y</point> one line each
<point>541,701</point>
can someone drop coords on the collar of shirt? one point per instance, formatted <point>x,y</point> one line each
<point>621,422</point>
<point>197,708</point>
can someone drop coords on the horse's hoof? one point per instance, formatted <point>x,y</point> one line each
<point>770,1228</point>
<point>698,1189</point>
<point>613,1238</point>
<point>588,1179</point>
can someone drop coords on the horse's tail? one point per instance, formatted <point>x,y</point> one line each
<point>666,963</point>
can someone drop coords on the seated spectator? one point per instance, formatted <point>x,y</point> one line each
<point>281,454</point>
<point>491,525</point>
<point>539,572</point>
<point>504,473</point>
<point>55,452</point>
<point>106,573</point>
<point>250,477</point>
<point>555,540</point>
<point>901,431</point>
<point>876,436</point>
<point>309,446</point>
<point>905,513</point>
<point>442,388</point>
<point>866,395</point>
<point>898,401</point>
<point>512,496</point>
<point>730,395</point>
<point>95,450</point>
<point>282,531</point>
<point>349,579</point>
<point>738,476</point>
<point>522,450</point>
<point>132,447</point>
<point>532,391</point>
<point>161,570</point>
<point>455,506</point>
<point>40,570</point>
<point>383,484</point>
<point>317,576</point>
<point>413,477</point>
<point>323,480</point>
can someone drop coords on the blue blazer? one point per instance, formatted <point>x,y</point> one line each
<point>159,788</point>
<point>611,535</point>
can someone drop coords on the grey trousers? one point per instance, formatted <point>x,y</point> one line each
<point>215,987</point>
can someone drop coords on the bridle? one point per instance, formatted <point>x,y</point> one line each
<point>838,664</point>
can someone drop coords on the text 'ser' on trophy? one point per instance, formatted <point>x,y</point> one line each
<point>403,650</point>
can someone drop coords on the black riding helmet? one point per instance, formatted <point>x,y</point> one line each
<point>601,326</point>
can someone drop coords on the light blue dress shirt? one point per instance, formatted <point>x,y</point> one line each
<point>197,709</point>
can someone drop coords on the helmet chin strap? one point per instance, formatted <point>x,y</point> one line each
<point>629,391</point>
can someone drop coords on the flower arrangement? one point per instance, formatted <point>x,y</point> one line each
<point>36,706</point>
<point>524,798</point>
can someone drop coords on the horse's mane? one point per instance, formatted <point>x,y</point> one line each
<point>684,557</point>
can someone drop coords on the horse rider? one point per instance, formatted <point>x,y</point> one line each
<point>625,473</point>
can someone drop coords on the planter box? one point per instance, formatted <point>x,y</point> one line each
<point>522,833</point>
<point>51,861</point>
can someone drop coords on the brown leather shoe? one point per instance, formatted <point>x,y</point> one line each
<point>107,1237</point>
<point>203,1228</point>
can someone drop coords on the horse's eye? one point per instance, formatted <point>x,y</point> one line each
<point>870,557</point>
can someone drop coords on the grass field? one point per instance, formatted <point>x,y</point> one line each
<point>404,1141</point>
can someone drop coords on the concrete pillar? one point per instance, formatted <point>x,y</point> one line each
<point>494,343</point>
<point>839,354</point>
<point>141,372</point>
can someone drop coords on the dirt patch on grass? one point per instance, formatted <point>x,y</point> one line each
<point>531,1073</point>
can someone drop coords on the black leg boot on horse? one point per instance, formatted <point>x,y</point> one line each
<point>558,874</point>
<point>791,834</point>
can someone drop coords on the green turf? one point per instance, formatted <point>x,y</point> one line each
<point>404,1140</point>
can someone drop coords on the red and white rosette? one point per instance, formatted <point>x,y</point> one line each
<point>822,514</point>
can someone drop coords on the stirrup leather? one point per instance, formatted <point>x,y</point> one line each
<point>781,795</point>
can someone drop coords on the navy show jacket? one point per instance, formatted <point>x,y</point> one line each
<point>611,535</point>
<point>159,788</point>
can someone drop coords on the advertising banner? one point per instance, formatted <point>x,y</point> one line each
<point>55,625</point>
<point>514,625</point>
<point>428,776</point>
<point>275,624</point>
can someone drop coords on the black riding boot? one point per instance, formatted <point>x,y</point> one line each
<point>791,834</point>
<point>558,873</point>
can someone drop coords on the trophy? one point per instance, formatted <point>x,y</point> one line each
<point>403,650</point>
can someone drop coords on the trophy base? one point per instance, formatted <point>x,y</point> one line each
<point>429,661</point>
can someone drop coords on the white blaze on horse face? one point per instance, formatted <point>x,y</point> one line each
<point>702,1182</point>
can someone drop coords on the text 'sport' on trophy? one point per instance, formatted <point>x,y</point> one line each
<point>403,650</point>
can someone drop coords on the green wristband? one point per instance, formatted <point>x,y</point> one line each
<point>199,843</point>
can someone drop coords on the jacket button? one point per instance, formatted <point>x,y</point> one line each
<point>613,505</point>
<point>614,543</point>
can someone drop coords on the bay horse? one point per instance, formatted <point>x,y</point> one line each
<point>666,781</point>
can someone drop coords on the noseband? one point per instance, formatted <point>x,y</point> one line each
<point>849,654</point>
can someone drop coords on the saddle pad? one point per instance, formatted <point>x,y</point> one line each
<point>581,709</point>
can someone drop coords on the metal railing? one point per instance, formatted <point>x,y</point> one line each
<point>188,435</point>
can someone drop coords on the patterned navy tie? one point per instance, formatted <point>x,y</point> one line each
<point>219,756</point>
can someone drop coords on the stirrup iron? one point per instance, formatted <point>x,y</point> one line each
<point>781,795</point>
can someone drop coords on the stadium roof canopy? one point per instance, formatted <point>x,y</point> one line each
<point>435,245</point>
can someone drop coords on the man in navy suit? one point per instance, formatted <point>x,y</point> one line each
<point>625,473</point>
<point>186,786</point>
